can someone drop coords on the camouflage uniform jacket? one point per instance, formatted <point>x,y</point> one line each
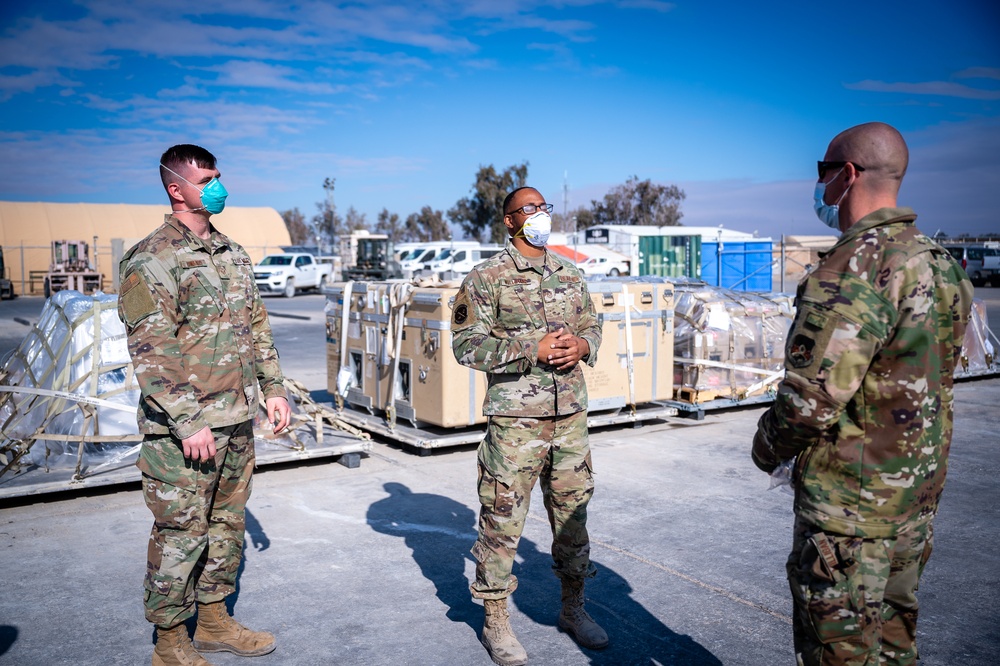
<point>866,402</point>
<point>198,332</point>
<point>504,308</point>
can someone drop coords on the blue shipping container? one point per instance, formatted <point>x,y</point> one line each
<point>745,266</point>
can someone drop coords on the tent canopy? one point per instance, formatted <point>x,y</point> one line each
<point>27,230</point>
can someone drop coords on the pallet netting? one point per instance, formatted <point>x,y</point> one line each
<point>70,387</point>
<point>69,398</point>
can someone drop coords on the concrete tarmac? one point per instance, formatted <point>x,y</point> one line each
<point>371,565</point>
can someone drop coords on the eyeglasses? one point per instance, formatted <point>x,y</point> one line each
<point>531,209</point>
<point>823,167</point>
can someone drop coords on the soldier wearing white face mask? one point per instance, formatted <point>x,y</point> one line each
<point>526,319</point>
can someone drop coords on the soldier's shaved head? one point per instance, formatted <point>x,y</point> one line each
<point>877,147</point>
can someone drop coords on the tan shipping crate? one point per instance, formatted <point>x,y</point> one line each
<point>430,387</point>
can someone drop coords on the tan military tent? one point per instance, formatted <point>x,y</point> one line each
<point>27,230</point>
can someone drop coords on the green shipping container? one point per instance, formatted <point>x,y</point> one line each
<point>670,256</point>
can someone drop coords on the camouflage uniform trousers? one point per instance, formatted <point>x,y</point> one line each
<point>855,598</point>
<point>518,451</point>
<point>198,524</point>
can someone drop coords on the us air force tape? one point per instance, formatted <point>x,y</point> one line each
<point>463,315</point>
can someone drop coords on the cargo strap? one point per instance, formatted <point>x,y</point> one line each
<point>628,304</point>
<point>343,380</point>
<point>400,294</point>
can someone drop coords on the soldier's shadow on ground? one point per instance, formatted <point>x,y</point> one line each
<point>8,636</point>
<point>440,532</point>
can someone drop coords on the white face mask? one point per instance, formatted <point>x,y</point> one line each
<point>536,229</point>
<point>827,213</point>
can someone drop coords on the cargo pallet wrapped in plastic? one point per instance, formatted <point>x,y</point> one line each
<point>69,397</point>
<point>70,387</point>
<point>728,345</point>
<point>979,347</point>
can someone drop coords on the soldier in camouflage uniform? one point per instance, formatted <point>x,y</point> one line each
<point>866,406</point>
<point>200,342</point>
<point>526,319</point>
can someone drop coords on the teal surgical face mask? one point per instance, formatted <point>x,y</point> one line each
<point>213,195</point>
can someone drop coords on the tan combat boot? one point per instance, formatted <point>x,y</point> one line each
<point>217,632</point>
<point>173,648</point>
<point>576,621</point>
<point>498,638</point>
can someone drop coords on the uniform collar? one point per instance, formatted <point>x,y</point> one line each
<point>879,218</point>
<point>523,264</point>
<point>215,242</point>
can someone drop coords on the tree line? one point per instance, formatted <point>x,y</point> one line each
<point>479,215</point>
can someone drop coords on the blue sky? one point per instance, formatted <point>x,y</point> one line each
<point>402,102</point>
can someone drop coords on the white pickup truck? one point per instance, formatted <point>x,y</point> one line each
<point>290,272</point>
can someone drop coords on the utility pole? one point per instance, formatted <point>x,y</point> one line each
<point>565,195</point>
<point>328,185</point>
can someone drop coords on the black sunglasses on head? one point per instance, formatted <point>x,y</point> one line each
<point>823,167</point>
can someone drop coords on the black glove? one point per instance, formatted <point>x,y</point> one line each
<point>763,454</point>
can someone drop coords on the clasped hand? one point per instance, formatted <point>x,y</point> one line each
<point>562,350</point>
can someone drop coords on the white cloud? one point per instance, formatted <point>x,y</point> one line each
<point>938,88</point>
<point>254,74</point>
<point>979,73</point>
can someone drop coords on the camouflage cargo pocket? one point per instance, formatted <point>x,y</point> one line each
<point>833,598</point>
<point>494,493</point>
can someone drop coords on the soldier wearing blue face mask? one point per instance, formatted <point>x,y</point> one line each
<point>865,409</point>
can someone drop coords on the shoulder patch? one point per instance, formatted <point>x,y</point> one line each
<point>463,314</point>
<point>136,299</point>
<point>800,351</point>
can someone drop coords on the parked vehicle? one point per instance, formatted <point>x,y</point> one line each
<point>6,286</point>
<point>375,260</point>
<point>991,262</point>
<point>971,258</point>
<point>71,269</point>
<point>604,266</point>
<point>290,272</point>
<point>461,260</point>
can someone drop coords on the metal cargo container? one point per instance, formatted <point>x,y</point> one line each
<point>737,265</point>
<point>670,256</point>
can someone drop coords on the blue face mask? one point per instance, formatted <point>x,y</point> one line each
<point>213,195</point>
<point>827,213</point>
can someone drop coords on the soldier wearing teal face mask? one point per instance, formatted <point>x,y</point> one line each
<point>201,345</point>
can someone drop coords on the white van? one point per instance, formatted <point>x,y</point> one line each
<point>400,250</point>
<point>415,258</point>
<point>461,260</point>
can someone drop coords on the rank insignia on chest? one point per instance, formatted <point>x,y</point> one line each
<point>800,351</point>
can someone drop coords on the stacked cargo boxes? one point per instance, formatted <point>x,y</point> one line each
<point>420,381</point>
